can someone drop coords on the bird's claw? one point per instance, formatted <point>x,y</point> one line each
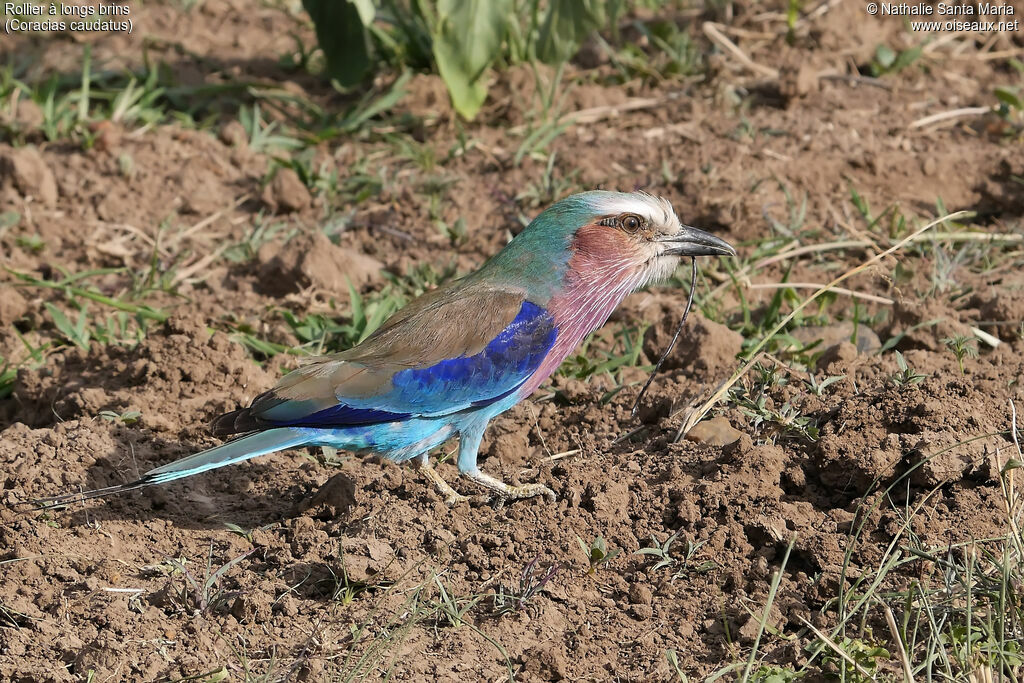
<point>451,496</point>
<point>525,491</point>
<point>454,498</point>
<point>539,490</point>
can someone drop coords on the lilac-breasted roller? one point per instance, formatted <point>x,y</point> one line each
<point>451,360</point>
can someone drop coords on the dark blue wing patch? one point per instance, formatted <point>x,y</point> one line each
<point>454,384</point>
<point>505,363</point>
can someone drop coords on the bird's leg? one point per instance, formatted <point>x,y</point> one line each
<point>469,444</point>
<point>451,496</point>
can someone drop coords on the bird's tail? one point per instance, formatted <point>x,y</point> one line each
<point>229,453</point>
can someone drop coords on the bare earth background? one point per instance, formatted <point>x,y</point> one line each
<point>372,572</point>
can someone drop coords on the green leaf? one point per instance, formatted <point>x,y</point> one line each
<point>467,38</point>
<point>906,58</point>
<point>74,333</point>
<point>885,56</point>
<point>567,24</point>
<point>1009,97</point>
<point>341,33</point>
<point>9,219</point>
<point>366,11</point>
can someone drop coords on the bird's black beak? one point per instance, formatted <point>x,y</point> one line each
<point>693,242</point>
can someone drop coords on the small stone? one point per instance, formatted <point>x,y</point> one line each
<point>641,612</point>
<point>333,500</point>
<point>706,350</point>
<point>639,594</point>
<point>806,79</point>
<point>286,192</point>
<point>25,114</point>
<point>12,306</point>
<point>106,135</point>
<point>313,260</point>
<point>843,352</point>
<point>715,432</point>
<point>233,134</point>
<point>830,335</point>
<point>25,168</point>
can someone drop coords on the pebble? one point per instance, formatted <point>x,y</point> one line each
<point>715,432</point>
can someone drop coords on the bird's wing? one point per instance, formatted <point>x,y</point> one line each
<point>452,349</point>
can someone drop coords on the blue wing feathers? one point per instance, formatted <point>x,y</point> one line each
<point>504,364</point>
<point>448,386</point>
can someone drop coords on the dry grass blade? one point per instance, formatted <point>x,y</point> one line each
<point>563,454</point>
<point>698,414</point>
<point>984,336</point>
<point>815,285</point>
<point>208,220</point>
<point>890,619</point>
<point>794,250</point>
<point>199,266</point>
<point>949,115</point>
<point>1007,481</point>
<point>712,31</point>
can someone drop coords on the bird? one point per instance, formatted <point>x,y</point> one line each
<point>454,358</point>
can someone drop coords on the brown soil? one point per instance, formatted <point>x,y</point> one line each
<point>93,588</point>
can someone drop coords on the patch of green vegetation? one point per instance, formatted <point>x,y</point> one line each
<point>852,659</point>
<point>264,137</point>
<point>201,593</point>
<point>75,106</point>
<point>87,317</point>
<point>319,333</point>
<point>71,104</point>
<point>774,674</point>
<point>962,347</point>
<point>597,553</point>
<point>607,352</point>
<point>8,375</point>
<point>89,309</point>
<point>755,324</point>
<point>549,188</point>
<point>531,583</point>
<point>127,417</point>
<point>666,559</point>
<point>888,61</point>
<point>661,51</point>
<point>754,400</point>
<point>262,231</point>
<point>907,375</point>
<point>463,41</point>
<point>817,387</point>
<point>450,608</point>
<point>950,612</point>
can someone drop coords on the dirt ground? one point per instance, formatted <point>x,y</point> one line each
<point>340,568</point>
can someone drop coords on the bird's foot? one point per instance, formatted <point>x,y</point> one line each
<point>451,496</point>
<point>507,492</point>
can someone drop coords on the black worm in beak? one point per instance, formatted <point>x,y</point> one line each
<point>679,329</point>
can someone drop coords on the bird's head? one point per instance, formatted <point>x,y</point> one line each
<point>625,239</point>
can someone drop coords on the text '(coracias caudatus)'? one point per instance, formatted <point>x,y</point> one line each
<point>456,357</point>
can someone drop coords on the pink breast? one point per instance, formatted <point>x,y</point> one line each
<point>604,268</point>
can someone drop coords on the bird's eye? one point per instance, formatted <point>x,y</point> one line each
<point>630,222</point>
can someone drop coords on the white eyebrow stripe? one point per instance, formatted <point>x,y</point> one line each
<point>655,209</point>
